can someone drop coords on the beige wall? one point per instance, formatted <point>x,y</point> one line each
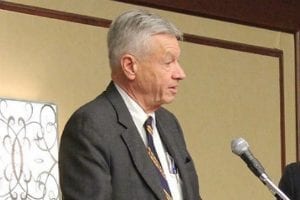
<point>227,93</point>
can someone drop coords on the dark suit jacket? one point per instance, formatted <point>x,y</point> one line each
<point>290,181</point>
<point>103,157</point>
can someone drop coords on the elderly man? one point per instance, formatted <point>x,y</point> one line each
<point>123,145</point>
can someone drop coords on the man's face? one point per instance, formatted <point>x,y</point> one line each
<point>158,73</point>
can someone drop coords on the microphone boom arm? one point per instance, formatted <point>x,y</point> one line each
<point>272,187</point>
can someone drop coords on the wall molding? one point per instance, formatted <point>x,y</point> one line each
<point>54,14</point>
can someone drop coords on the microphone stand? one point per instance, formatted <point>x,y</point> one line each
<point>272,187</point>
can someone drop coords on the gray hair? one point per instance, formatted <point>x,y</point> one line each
<point>131,30</point>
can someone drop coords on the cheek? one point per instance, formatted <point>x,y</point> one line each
<point>164,80</point>
<point>157,78</point>
<point>162,87</point>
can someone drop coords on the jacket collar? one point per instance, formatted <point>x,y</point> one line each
<point>134,142</point>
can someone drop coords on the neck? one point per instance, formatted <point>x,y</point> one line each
<point>139,99</point>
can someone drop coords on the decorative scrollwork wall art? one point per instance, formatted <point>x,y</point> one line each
<point>28,151</point>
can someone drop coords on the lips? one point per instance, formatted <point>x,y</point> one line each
<point>173,89</point>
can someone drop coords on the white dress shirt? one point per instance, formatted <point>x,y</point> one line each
<point>139,117</point>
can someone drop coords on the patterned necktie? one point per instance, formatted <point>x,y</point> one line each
<point>154,157</point>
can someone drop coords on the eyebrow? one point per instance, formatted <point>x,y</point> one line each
<point>168,54</point>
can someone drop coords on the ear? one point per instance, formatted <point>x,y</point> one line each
<point>128,63</point>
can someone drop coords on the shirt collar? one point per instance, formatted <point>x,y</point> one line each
<point>136,111</point>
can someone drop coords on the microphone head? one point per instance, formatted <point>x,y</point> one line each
<point>239,146</point>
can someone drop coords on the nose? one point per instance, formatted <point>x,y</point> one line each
<point>178,73</point>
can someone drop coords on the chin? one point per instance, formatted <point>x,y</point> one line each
<point>168,100</point>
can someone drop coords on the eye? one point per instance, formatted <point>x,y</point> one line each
<point>169,62</point>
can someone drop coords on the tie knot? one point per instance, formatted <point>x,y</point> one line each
<point>149,121</point>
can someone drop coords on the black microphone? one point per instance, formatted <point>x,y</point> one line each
<point>240,147</point>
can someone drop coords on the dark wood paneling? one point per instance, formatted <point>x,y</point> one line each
<point>283,15</point>
<point>282,112</point>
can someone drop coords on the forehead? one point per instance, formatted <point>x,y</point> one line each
<point>164,42</point>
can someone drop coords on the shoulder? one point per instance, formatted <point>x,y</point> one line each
<point>94,109</point>
<point>92,118</point>
<point>101,106</point>
<point>168,118</point>
<point>291,173</point>
<point>293,168</point>
<point>164,113</point>
<point>168,121</point>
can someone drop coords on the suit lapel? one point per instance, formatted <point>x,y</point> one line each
<point>142,161</point>
<point>134,142</point>
<point>167,132</point>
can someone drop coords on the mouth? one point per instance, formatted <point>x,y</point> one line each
<point>173,89</point>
